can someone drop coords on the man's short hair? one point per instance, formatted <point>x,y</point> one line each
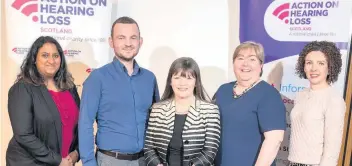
<point>124,20</point>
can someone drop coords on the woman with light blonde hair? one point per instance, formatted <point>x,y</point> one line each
<point>253,116</point>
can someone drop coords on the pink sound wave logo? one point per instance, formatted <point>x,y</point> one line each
<point>282,12</point>
<point>14,50</point>
<point>20,50</point>
<point>89,70</point>
<point>28,9</point>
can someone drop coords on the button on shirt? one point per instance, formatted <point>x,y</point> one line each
<point>120,104</point>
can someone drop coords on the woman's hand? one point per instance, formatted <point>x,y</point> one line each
<point>73,157</point>
<point>66,162</point>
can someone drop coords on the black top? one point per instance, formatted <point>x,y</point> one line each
<point>175,148</point>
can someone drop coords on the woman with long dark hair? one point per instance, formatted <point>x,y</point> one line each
<point>184,127</point>
<point>43,106</point>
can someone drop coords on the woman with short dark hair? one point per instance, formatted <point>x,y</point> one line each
<point>43,106</point>
<point>184,127</point>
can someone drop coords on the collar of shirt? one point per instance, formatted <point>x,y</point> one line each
<point>121,68</point>
<point>194,107</point>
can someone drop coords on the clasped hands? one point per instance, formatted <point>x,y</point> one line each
<point>70,159</point>
<point>163,165</point>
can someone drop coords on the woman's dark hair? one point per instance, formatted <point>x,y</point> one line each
<point>185,65</point>
<point>30,74</point>
<point>332,55</point>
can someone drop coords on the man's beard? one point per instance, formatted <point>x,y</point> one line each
<point>126,59</point>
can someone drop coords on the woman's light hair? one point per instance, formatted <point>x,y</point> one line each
<point>256,47</point>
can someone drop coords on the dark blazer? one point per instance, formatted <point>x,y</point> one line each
<point>36,126</point>
<point>201,134</point>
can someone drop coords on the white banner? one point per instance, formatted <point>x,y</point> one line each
<point>82,27</point>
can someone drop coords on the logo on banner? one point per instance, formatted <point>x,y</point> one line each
<point>20,50</point>
<point>71,53</point>
<point>306,20</point>
<point>27,9</point>
<point>282,12</point>
<point>57,12</point>
<point>89,70</point>
<point>301,13</point>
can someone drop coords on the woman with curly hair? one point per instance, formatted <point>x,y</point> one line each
<point>317,118</point>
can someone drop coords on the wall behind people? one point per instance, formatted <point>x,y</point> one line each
<point>170,30</point>
<point>3,115</point>
<point>2,53</point>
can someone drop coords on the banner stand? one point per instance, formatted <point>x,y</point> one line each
<point>346,147</point>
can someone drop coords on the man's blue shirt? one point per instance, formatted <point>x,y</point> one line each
<point>120,104</point>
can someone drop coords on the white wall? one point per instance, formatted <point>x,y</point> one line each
<point>172,29</point>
